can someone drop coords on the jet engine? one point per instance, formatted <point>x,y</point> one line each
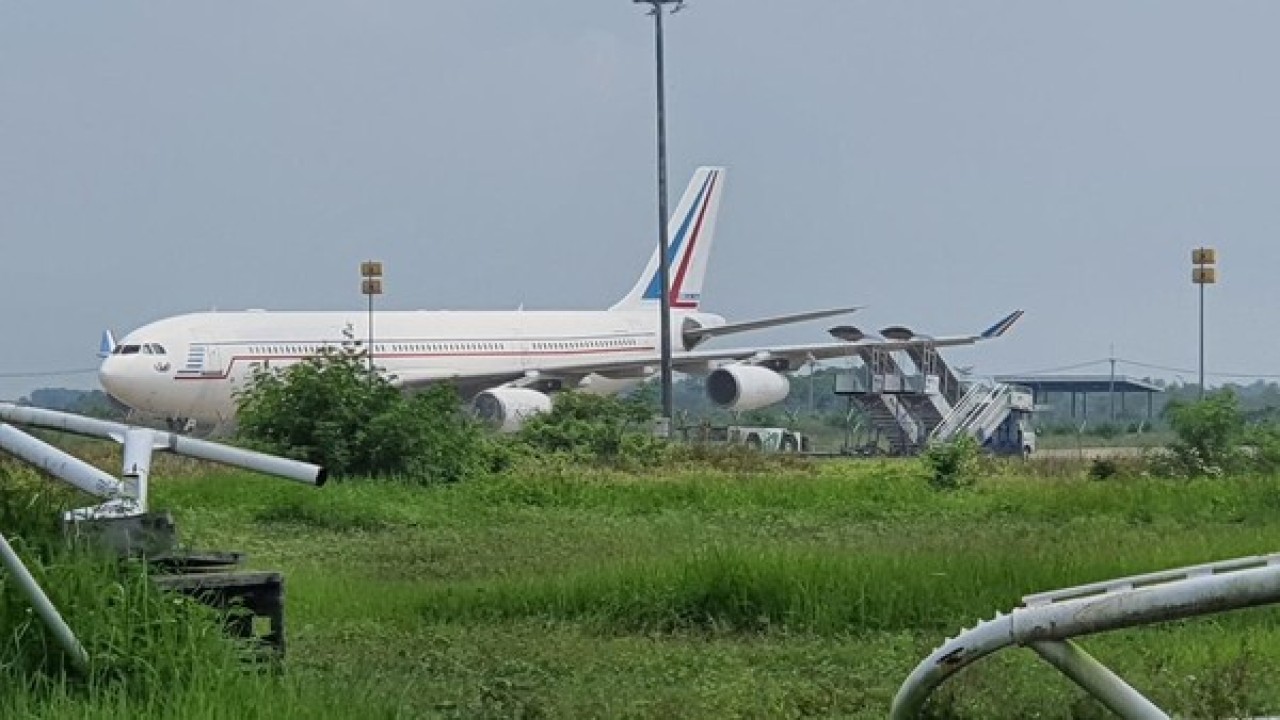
<point>506,408</point>
<point>746,387</point>
<point>898,332</point>
<point>849,333</point>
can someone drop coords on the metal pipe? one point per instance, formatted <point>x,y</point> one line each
<point>1098,680</point>
<point>180,444</point>
<point>1201,341</point>
<point>664,262</point>
<point>66,422</point>
<point>43,607</point>
<point>59,464</point>
<point>138,445</point>
<point>248,459</point>
<point>1202,590</point>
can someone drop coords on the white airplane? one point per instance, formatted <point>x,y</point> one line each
<point>190,367</point>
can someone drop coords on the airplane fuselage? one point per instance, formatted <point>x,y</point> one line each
<point>193,365</point>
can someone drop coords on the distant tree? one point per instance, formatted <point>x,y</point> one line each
<point>64,399</point>
<point>93,403</point>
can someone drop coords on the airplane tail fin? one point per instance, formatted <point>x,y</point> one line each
<point>106,344</point>
<point>1002,326</point>
<point>690,232</point>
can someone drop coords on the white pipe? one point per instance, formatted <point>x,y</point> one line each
<point>180,444</point>
<point>59,464</point>
<point>138,444</point>
<point>43,607</point>
<point>1098,680</point>
<point>1187,596</point>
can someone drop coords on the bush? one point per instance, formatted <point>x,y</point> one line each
<point>1210,433</point>
<point>1102,468</point>
<point>595,428</point>
<point>952,465</point>
<point>331,410</point>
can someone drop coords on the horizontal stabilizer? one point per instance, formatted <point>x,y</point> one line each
<point>702,333</point>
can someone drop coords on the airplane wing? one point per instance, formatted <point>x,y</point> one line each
<point>781,358</point>
<point>731,328</point>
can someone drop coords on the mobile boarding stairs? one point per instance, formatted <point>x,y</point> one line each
<point>123,524</point>
<point>912,398</point>
<point>1047,622</point>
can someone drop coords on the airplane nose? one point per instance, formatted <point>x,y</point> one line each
<point>109,375</point>
<point>114,379</point>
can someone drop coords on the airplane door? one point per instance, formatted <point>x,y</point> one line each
<point>212,361</point>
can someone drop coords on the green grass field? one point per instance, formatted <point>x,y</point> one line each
<point>797,591</point>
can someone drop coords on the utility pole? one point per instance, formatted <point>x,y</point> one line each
<point>1111,388</point>
<point>664,262</point>
<point>1204,273</point>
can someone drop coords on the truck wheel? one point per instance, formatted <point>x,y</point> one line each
<point>753,442</point>
<point>789,444</point>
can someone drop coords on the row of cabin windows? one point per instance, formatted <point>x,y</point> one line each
<point>585,344</point>
<point>377,348</point>
<point>309,348</point>
<point>145,349</point>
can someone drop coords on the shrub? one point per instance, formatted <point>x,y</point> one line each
<point>952,465</point>
<point>331,410</point>
<point>1102,468</point>
<point>1209,433</point>
<point>595,428</point>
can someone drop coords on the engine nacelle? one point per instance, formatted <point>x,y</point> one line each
<point>848,333</point>
<point>898,332</point>
<point>746,387</point>
<point>507,408</point>
<point>687,336</point>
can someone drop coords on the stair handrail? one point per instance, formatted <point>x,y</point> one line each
<point>992,413</point>
<point>951,423</point>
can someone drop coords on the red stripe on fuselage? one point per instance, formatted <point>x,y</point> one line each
<point>380,356</point>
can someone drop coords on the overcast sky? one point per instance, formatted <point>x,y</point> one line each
<point>940,162</point>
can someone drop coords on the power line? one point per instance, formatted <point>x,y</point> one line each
<point>1062,368</point>
<point>1166,368</point>
<point>46,373</point>
<point>1148,366</point>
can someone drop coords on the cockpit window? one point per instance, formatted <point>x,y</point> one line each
<point>129,349</point>
<point>153,349</point>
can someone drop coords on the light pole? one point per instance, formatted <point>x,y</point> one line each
<point>664,263</point>
<point>370,285</point>
<point>1204,273</point>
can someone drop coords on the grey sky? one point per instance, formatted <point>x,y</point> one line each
<point>940,162</point>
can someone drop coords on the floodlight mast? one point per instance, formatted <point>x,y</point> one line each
<point>664,262</point>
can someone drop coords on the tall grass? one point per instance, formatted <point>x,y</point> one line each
<point>145,647</point>
<point>704,590</point>
<point>799,588</point>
